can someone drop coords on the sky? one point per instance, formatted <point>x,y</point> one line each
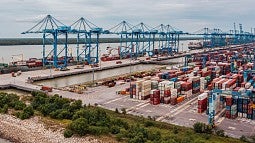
<point>17,16</point>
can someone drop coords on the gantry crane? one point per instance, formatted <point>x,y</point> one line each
<point>51,30</point>
<point>218,92</point>
<point>124,30</point>
<point>85,30</point>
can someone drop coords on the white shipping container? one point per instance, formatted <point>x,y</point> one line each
<point>202,96</point>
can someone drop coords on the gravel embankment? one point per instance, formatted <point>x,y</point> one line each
<point>32,131</point>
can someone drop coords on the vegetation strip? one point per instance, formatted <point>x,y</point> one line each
<point>91,120</point>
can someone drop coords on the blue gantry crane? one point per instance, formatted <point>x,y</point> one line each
<point>141,39</point>
<point>124,30</point>
<point>216,93</point>
<point>51,29</point>
<point>85,31</point>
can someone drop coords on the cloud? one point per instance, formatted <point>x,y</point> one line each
<point>187,15</point>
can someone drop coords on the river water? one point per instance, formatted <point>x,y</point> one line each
<point>17,52</point>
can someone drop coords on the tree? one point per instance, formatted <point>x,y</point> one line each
<point>79,126</point>
<point>202,128</point>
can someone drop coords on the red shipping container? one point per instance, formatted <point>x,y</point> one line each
<point>167,93</point>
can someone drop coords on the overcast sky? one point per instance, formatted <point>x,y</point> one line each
<point>17,16</point>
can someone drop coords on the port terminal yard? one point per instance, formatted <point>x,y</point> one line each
<point>183,114</point>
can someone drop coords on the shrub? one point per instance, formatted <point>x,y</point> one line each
<point>202,128</point>
<point>68,133</point>
<point>220,133</point>
<point>79,126</point>
<point>148,123</point>
<point>19,105</point>
<point>4,109</point>
<point>29,110</point>
<point>115,130</point>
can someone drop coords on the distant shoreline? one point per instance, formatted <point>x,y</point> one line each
<point>39,41</point>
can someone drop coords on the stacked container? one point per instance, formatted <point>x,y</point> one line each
<point>165,87</point>
<point>145,90</point>
<point>186,89</point>
<point>132,91</point>
<point>228,107</point>
<point>173,100</point>
<point>195,84</point>
<point>155,97</point>
<point>249,111</point>
<point>202,102</point>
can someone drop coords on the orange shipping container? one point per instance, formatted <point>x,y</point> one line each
<point>180,99</point>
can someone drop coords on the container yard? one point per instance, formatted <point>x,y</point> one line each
<point>146,73</point>
<point>211,88</point>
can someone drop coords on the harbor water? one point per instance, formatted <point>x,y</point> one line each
<point>18,52</point>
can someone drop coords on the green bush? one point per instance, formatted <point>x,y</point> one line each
<point>19,105</point>
<point>202,128</point>
<point>148,123</point>
<point>220,133</point>
<point>115,129</point>
<point>4,109</point>
<point>26,113</point>
<point>98,130</point>
<point>68,133</point>
<point>79,126</point>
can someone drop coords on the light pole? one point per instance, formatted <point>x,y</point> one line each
<point>93,72</point>
<point>100,57</point>
<point>182,53</point>
<point>130,69</point>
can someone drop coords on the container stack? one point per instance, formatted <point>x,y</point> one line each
<point>233,111</point>
<point>154,84</point>
<point>203,83</point>
<point>229,103</point>
<point>177,85</point>
<point>138,85</point>
<point>155,97</point>
<point>249,111</point>
<point>132,91</point>
<point>186,89</point>
<point>202,102</point>
<point>165,87</point>
<point>240,107</point>
<point>167,96</point>
<point>195,84</point>
<point>145,90</point>
<point>173,100</point>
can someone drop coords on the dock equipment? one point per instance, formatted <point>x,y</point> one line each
<point>217,92</point>
<point>124,31</point>
<point>85,31</point>
<point>135,41</point>
<point>51,30</point>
